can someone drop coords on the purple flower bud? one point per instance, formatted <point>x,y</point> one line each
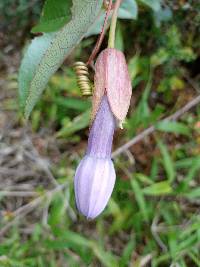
<point>95,176</point>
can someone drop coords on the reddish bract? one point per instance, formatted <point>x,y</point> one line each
<point>112,78</point>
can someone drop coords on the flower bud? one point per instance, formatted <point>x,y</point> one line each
<point>95,176</point>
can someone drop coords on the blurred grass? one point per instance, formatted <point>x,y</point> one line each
<point>153,216</point>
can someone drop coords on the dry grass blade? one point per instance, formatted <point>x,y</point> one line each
<point>24,210</point>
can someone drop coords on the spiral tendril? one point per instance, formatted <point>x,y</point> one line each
<point>83,80</point>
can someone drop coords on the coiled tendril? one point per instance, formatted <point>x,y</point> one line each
<point>83,80</point>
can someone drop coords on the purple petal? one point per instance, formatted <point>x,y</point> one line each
<point>101,134</point>
<point>94,182</point>
<point>95,176</point>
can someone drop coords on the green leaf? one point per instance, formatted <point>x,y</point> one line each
<point>192,174</point>
<point>55,14</point>
<point>134,67</point>
<point>188,162</point>
<point>158,189</point>
<point>74,239</point>
<point>128,10</point>
<point>160,57</point>
<point>97,26</point>
<point>154,169</point>
<point>167,162</point>
<point>127,252</point>
<point>56,244</point>
<point>194,258</point>
<point>155,5</point>
<point>107,258</point>
<point>140,198</point>
<point>143,178</point>
<point>194,193</point>
<point>30,62</point>
<point>77,104</point>
<point>188,242</point>
<point>78,123</point>
<point>162,15</point>
<point>46,53</point>
<point>173,127</point>
<point>57,209</point>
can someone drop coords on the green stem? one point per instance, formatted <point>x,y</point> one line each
<point>111,41</point>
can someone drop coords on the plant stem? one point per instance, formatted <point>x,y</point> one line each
<point>102,34</point>
<point>111,41</point>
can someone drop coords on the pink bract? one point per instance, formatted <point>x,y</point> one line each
<point>112,78</point>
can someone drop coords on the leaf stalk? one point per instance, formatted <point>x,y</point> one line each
<point>111,40</point>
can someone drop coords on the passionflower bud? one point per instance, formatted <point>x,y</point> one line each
<point>95,176</point>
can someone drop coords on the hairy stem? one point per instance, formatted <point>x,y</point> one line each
<point>102,34</point>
